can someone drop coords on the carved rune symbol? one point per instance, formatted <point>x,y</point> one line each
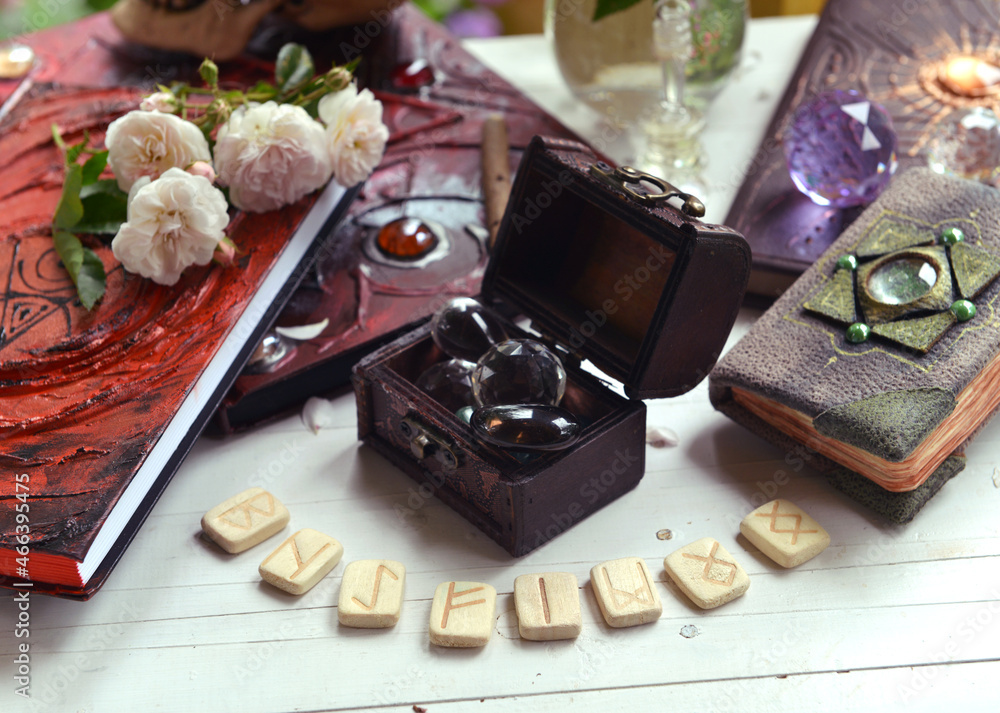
<point>448,606</point>
<point>796,529</point>
<point>246,509</point>
<point>299,564</point>
<point>641,595</point>
<point>709,561</point>
<point>545,600</point>
<point>378,583</point>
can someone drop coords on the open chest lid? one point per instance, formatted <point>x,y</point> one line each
<point>613,272</point>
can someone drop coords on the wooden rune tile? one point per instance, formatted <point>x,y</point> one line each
<point>706,573</point>
<point>626,592</point>
<point>245,520</point>
<point>462,614</point>
<point>301,561</point>
<point>785,532</point>
<point>371,594</point>
<point>548,606</point>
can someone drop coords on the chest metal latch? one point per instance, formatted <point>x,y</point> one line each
<point>628,179</point>
<point>424,443</point>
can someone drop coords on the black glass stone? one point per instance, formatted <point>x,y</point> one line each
<point>464,329</point>
<point>449,383</point>
<point>526,427</point>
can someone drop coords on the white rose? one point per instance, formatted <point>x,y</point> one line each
<point>271,155</point>
<point>355,133</point>
<point>173,222</point>
<point>147,143</point>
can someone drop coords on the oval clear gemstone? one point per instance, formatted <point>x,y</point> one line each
<point>902,280</point>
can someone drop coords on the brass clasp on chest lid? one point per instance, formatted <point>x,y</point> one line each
<point>628,179</point>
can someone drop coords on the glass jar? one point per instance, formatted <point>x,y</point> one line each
<point>609,63</point>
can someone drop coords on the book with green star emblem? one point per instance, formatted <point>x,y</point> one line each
<point>882,357</point>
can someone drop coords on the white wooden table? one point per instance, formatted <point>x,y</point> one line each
<point>888,617</point>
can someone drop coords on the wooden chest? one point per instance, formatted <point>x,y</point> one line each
<point>617,281</point>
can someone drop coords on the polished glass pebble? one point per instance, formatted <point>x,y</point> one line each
<point>519,371</point>
<point>963,310</point>
<point>526,426</point>
<point>902,281</point>
<point>847,262</point>
<point>449,383</point>
<point>464,329</point>
<point>858,333</point>
<point>412,75</point>
<point>950,236</point>
<point>406,239</point>
<point>967,145</point>
<point>841,149</point>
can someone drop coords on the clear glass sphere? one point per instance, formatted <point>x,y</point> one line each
<point>519,371</point>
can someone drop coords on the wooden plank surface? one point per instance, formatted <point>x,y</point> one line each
<point>886,618</point>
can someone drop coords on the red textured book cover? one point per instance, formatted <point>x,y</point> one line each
<point>85,396</point>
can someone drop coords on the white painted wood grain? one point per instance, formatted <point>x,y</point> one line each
<point>183,626</point>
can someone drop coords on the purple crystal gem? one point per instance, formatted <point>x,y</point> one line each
<point>841,149</point>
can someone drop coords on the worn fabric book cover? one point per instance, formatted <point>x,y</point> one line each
<point>98,408</point>
<point>898,54</point>
<point>882,357</point>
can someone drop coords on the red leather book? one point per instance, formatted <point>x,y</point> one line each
<point>98,408</point>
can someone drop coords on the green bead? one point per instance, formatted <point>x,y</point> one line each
<point>465,413</point>
<point>963,310</point>
<point>858,332</point>
<point>950,236</point>
<point>847,262</point>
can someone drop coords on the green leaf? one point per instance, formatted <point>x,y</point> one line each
<point>91,280</point>
<point>74,151</point>
<point>69,211</point>
<point>293,69</point>
<point>84,267</point>
<point>70,251</point>
<point>102,215</point>
<point>107,185</point>
<point>105,208</point>
<point>610,7</point>
<point>94,166</point>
